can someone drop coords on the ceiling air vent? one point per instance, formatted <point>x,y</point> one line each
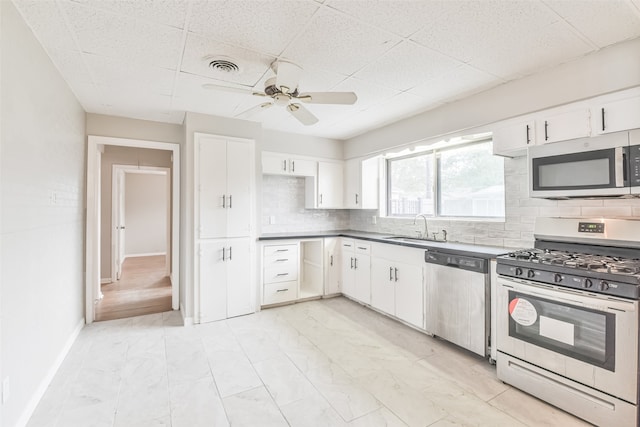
<point>223,65</point>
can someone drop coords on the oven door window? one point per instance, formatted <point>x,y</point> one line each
<point>577,332</point>
<point>586,170</point>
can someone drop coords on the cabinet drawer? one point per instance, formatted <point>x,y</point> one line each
<point>280,292</point>
<point>278,250</point>
<point>362,248</point>
<point>280,274</point>
<point>280,260</point>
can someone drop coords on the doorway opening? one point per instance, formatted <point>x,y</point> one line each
<point>133,193</point>
<point>140,257</point>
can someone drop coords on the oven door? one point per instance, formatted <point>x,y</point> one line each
<point>580,168</point>
<point>588,338</point>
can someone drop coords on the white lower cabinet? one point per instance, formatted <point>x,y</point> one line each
<point>397,287</point>
<point>280,273</point>
<point>356,269</point>
<point>332,266</point>
<point>225,279</point>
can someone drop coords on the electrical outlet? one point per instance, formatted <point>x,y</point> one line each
<point>5,390</point>
<point>374,219</point>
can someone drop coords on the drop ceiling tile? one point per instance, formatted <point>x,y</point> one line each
<point>104,33</point>
<point>263,26</point>
<point>368,93</point>
<point>166,12</point>
<point>458,83</point>
<point>48,24</point>
<point>402,17</point>
<point>397,108</point>
<point>119,74</point>
<point>593,19</point>
<point>71,65</point>
<point>533,52</point>
<point>472,29</point>
<point>338,43</point>
<point>189,95</point>
<point>199,51</point>
<point>407,65</point>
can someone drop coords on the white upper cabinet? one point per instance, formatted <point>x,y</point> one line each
<point>616,112</point>
<point>325,192</point>
<point>361,180</point>
<point>562,124</point>
<point>284,164</point>
<point>512,138</point>
<point>223,187</point>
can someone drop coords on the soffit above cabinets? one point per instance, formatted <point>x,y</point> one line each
<point>146,60</point>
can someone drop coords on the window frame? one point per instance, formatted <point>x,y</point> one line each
<point>436,185</point>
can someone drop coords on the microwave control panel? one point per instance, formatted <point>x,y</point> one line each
<point>634,166</point>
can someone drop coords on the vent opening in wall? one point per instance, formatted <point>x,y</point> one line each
<point>223,64</point>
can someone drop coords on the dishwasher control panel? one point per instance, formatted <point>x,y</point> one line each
<point>478,265</point>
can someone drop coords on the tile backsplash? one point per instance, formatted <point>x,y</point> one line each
<point>283,199</point>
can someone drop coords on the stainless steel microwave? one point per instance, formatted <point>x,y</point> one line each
<point>603,166</point>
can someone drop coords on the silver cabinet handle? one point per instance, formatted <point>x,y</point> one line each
<point>282,250</point>
<point>351,262</point>
<point>293,166</point>
<point>390,273</point>
<point>282,290</point>
<point>224,201</point>
<point>331,262</point>
<point>396,274</point>
<point>362,248</point>
<point>224,252</point>
<point>231,254</point>
<point>282,274</point>
<point>282,259</point>
<point>230,200</point>
<point>356,198</point>
<point>355,263</point>
<point>284,165</point>
<point>320,198</point>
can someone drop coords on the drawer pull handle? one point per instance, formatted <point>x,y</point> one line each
<point>282,274</point>
<point>282,250</point>
<point>360,247</point>
<point>282,290</point>
<point>282,260</point>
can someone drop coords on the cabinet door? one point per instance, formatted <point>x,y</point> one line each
<point>213,280</point>
<point>348,274</point>
<point>211,187</point>
<point>352,196</point>
<point>512,140</point>
<point>409,297</point>
<point>238,200</point>
<point>383,286</point>
<point>332,264</point>
<point>273,164</point>
<point>617,116</point>
<point>330,181</point>
<point>362,267</point>
<point>369,183</point>
<point>563,126</point>
<point>303,167</point>
<point>240,296</point>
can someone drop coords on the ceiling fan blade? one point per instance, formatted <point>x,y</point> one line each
<point>255,110</point>
<point>303,115</point>
<point>211,86</point>
<point>287,76</point>
<point>346,98</point>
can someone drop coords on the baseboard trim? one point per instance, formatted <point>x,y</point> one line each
<point>105,281</point>
<point>186,321</point>
<point>142,255</point>
<point>44,384</point>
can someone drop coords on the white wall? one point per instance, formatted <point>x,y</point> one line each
<point>608,70</point>
<point>145,214</point>
<point>42,174</point>
<point>304,145</point>
<point>123,127</point>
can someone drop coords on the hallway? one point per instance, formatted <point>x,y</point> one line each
<point>144,288</point>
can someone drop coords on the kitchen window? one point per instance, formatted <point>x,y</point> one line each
<point>462,181</point>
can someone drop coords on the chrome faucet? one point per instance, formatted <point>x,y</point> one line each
<point>425,233</point>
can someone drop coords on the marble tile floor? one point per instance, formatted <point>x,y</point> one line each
<point>320,363</point>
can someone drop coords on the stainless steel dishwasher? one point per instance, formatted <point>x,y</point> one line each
<point>457,297</point>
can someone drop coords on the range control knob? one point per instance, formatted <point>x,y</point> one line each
<point>518,271</point>
<point>531,273</point>
<point>557,278</point>
<point>587,283</point>
<point>603,286</point>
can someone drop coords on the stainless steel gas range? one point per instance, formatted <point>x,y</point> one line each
<point>567,318</point>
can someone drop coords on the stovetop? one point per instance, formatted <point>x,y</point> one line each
<point>603,274</point>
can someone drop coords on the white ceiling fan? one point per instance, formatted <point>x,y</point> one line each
<point>283,91</point>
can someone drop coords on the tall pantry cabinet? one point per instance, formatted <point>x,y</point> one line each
<point>223,227</point>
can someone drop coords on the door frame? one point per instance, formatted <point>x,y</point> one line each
<point>115,208</point>
<point>92,255</point>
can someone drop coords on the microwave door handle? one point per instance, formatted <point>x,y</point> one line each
<point>619,166</point>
